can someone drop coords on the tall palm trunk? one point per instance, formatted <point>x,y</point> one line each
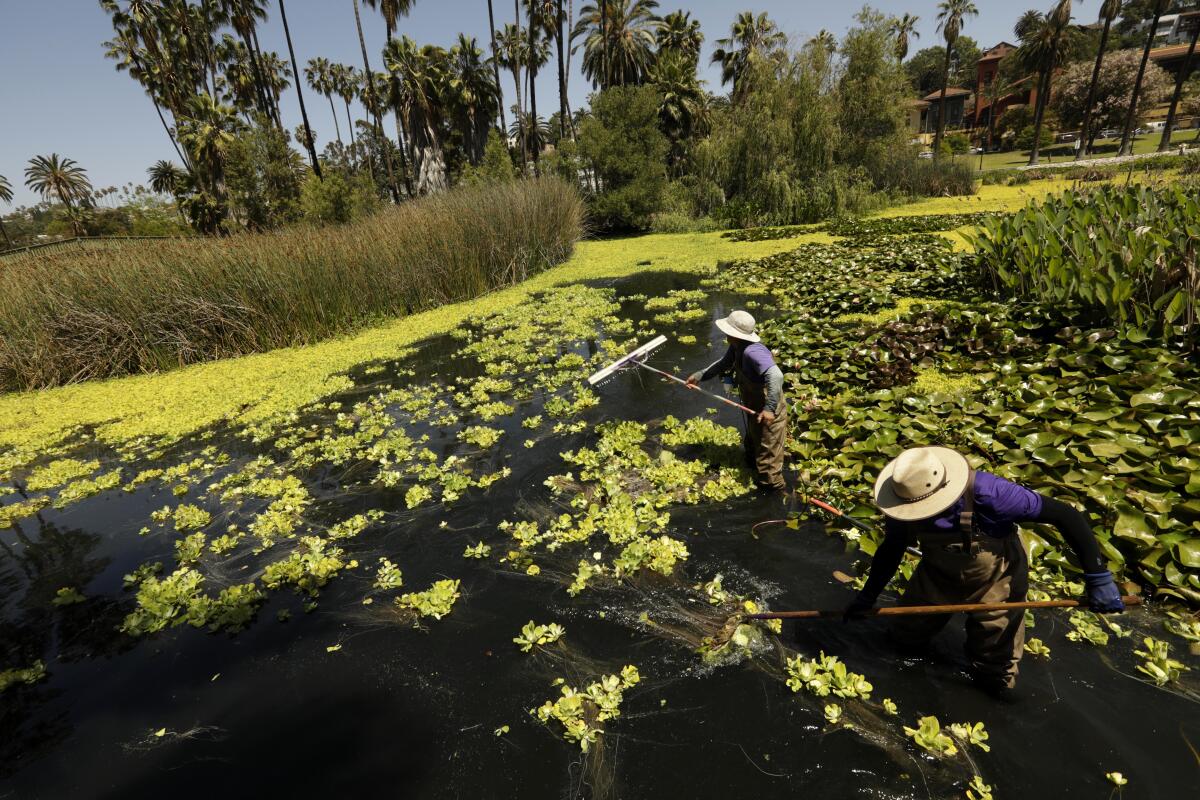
<point>374,110</point>
<point>1131,115</point>
<point>66,201</point>
<point>260,83</point>
<point>533,29</point>
<point>1085,138</point>
<point>496,72</point>
<point>272,98</point>
<point>1039,111</point>
<point>7,241</point>
<point>333,111</point>
<point>562,74</point>
<point>941,121</point>
<point>312,150</point>
<point>350,124</point>
<point>517,75</point>
<point>1180,79</point>
<point>402,138</point>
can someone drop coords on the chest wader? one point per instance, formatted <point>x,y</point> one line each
<point>966,566</point>
<point>764,443</point>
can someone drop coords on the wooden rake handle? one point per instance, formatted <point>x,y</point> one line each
<point>902,611</point>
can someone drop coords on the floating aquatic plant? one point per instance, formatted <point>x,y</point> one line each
<point>67,596</point>
<point>824,676</point>
<point>583,712</point>
<point>388,576</point>
<point>1157,663</point>
<point>480,550</point>
<point>27,675</point>
<point>928,735</point>
<point>309,567</point>
<point>978,790</point>
<point>534,635</point>
<point>436,601</point>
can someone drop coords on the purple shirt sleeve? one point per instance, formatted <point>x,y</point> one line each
<point>1005,502</point>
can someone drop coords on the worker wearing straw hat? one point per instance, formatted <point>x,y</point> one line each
<point>965,523</point>
<point>760,382</point>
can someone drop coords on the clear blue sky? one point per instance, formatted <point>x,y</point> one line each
<point>59,94</point>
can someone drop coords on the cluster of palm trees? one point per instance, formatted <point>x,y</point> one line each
<point>56,178</point>
<point>1045,42</point>
<point>203,68</point>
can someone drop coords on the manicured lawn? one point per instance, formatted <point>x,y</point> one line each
<point>1061,153</point>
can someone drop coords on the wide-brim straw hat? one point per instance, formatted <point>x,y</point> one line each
<point>921,482</point>
<point>739,325</point>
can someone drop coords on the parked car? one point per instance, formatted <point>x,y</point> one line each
<point>1109,133</point>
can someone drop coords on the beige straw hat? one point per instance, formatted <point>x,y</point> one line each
<point>739,325</point>
<point>921,482</point>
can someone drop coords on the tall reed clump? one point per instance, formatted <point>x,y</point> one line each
<point>1122,256</point>
<point>116,308</point>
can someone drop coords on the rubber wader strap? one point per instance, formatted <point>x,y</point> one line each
<point>966,517</point>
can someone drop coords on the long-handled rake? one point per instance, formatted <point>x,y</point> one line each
<point>637,358</point>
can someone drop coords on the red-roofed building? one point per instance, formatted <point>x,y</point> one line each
<point>987,72</point>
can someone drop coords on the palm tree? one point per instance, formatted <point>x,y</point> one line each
<point>682,110</point>
<point>312,150</point>
<point>825,42</point>
<point>951,14</point>
<point>345,79</point>
<point>392,11</point>
<point>496,68</point>
<point>61,178</point>
<point>993,93</point>
<point>1043,52</point>
<point>681,34</point>
<point>535,131</point>
<point>244,16</point>
<point>618,41</point>
<point>902,29</point>
<point>513,50</point>
<point>474,93</point>
<point>372,97</point>
<point>419,85</point>
<point>560,22</point>
<point>749,37</point>
<point>1184,72</point>
<point>6,196</point>
<point>165,177</point>
<point>320,80</point>
<point>1109,10</point>
<point>1158,8</point>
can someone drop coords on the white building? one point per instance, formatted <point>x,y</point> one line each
<point>1169,31</point>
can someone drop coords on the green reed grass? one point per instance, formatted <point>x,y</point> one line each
<point>127,307</point>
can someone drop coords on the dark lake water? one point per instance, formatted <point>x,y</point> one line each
<point>402,712</point>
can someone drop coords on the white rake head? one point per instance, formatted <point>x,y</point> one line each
<point>628,360</point>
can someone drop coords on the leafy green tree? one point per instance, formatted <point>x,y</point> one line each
<point>263,176</point>
<point>870,96</point>
<point>496,165</point>
<point>623,146</point>
<point>340,198</point>
<point>61,178</point>
<point>618,41</point>
<point>951,14</point>
<point>750,37</point>
<point>924,69</point>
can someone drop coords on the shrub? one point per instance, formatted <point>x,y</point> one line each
<point>337,198</point>
<point>1124,256</point>
<point>920,177</point>
<point>120,307</point>
<point>958,143</point>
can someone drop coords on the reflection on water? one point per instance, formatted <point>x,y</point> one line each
<point>338,702</point>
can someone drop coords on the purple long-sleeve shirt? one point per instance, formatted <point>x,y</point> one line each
<point>999,506</point>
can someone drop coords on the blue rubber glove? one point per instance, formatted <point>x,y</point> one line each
<point>858,607</point>
<point>1102,592</point>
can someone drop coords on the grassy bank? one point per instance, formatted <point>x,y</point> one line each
<point>133,307</point>
<point>255,387</point>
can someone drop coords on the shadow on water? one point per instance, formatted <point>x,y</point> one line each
<point>413,712</point>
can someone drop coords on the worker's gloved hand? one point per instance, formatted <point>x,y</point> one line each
<point>858,607</point>
<point>1102,592</point>
<point>695,378</point>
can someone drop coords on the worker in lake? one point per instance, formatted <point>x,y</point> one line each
<point>965,524</point>
<point>760,382</point>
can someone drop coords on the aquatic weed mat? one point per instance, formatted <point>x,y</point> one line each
<point>373,567</point>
